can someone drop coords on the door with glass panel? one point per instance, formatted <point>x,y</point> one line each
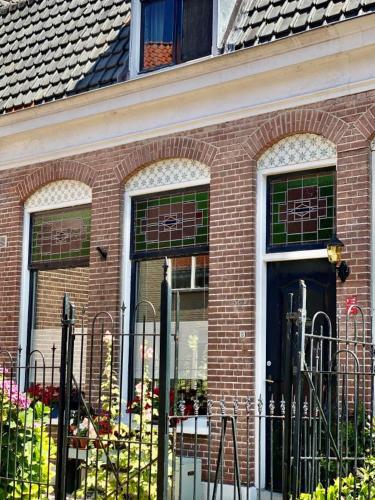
<point>300,217</point>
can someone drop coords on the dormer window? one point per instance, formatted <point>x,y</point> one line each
<point>174,31</point>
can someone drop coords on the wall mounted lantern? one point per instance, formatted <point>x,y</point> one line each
<point>334,250</point>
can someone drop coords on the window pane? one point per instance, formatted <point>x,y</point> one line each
<point>193,329</point>
<point>201,271</point>
<point>158,26</point>
<point>302,209</point>
<point>181,272</point>
<point>60,238</point>
<point>196,29</point>
<point>49,289</point>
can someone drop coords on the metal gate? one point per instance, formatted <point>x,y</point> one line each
<point>322,429</point>
<point>116,438</point>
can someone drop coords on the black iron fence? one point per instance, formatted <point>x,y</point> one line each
<point>86,425</point>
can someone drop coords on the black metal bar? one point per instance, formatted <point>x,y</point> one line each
<point>164,385</point>
<point>298,365</point>
<point>288,401</point>
<point>67,321</point>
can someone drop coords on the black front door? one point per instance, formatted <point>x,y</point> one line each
<point>283,279</point>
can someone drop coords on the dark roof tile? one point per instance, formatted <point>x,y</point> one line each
<point>53,48</point>
<point>261,21</point>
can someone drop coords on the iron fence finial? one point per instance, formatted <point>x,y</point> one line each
<point>271,406</point>
<point>209,407</point>
<point>248,405</point>
<point>222,407</point>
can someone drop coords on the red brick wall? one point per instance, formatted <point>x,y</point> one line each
<point>231,150</point>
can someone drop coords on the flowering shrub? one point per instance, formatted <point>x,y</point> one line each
<point>48,395</point>
<point>26,447</point>
<point>122,459</point>
<point>150,400</point>
<point>361,486</point>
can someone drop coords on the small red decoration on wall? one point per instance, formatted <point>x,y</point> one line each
<point>351,301</point>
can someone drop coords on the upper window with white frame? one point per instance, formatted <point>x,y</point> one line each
<point>174,31</point>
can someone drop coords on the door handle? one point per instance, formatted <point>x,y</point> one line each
<point>269,380</point>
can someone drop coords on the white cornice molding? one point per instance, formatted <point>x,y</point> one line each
<point>314,66</point>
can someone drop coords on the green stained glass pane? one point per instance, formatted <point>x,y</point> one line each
<point>294,238</point>
<point>164,244</point>
<point>202,196</point>
<point>325,234</point>
<point>202,205</point>
<point>278,197</point>
<point>326,223</point>
<point>279,187</point>
<point>296,183</point>
<point>309,236</point>
<point>152,246</point>
<point>61,237</point>
<point>174,220</point>
<point>279,239</point>
<point>326,191</point>
<point>301,208</point>
<point>309,181</point>
<point>176,199</point>
<point>326,180</point>
<point>202,240</point>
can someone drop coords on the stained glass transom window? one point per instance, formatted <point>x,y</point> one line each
<point>60,238</point>
<point>302,209</point>
<point>171,221</point>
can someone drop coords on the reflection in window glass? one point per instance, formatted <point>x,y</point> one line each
<point>157,33</point>
<point>49,289</point>
<point>189,315</point>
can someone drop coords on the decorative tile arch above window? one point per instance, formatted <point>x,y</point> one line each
<point>59,194</point>
<point>296,150</point>
<point>169,173</point>
<point>170,205</point>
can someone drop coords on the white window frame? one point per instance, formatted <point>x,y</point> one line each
<point>193,269</point>
<point>135,40</point>
<point>43,202</point>
<point>177,179</point>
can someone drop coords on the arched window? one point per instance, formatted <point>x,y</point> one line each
<point>56,256</point>
<point>167,206</point>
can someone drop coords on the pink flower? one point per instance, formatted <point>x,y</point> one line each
<point>146,352</point>
<point>11,390</point>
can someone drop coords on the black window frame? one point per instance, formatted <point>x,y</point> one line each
<point>293,247</point>
<point>177,36</point>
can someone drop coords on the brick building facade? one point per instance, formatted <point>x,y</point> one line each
<point>235,150</point>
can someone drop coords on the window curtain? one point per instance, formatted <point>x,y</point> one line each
<point>158,21</point>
